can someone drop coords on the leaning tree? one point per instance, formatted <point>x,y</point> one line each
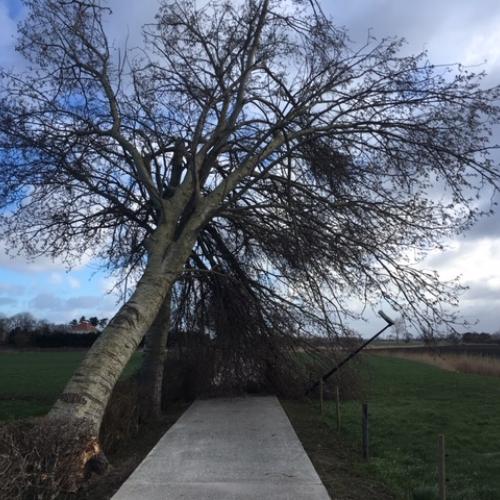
<point>260,119</point>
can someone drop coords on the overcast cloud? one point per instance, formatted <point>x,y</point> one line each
<point>451,31</point>
<point>85,303</point>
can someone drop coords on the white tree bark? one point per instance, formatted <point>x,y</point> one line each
<point>87,393</point>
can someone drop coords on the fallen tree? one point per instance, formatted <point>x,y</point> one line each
<point>259,120</point>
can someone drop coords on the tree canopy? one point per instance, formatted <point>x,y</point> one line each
<point>315,155</point>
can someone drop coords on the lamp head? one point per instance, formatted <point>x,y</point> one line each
<point>385,317</point>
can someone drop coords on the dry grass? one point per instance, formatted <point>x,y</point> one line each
<point>462,363</point>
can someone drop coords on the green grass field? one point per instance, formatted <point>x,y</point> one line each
<point>31,381</point>
<point>410,403</point>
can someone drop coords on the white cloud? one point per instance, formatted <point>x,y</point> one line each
<point>476,262</point>
<point>84,303</point>
<point>46,301</point>
<point>11,289</point>
<point>7,301</point>
<point>57,309</point>
<point>7,25</point>
<point>484,45</point>
<point>472,260</point>
<point>73,282</point>
<point>8,28</point>
<point>58,279</point>
<point>21,262</point>
<point>55,278</point>
<point>452,31</point>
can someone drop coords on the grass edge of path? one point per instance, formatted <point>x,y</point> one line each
<point>343,472</point>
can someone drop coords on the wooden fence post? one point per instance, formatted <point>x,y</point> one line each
<point>337,403</point>
<point>365,430</point>
<point>441,467</point>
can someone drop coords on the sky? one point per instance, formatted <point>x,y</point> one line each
<point>452,31</point>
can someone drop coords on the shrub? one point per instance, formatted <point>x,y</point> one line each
<point>204,370</point>
<point>347,378</point>
<point>43,339</point>
<point>62,339</point>
<point>188,373</point>
<point>42,459</point>
<point>121,419</point>
<point>21,338</point>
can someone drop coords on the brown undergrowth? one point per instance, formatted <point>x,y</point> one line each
<point>48,460</point>
<point>125,458</point>
<point>462,363</point>
<point>41,458</point>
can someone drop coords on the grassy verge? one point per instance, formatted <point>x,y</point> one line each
<point>410,403</point>
<point>31,381</point>
<point>343,472</point>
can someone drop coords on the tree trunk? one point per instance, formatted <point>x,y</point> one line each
<point>153,363</point>
<point>87,393</point>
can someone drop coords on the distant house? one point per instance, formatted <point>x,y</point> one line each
<point>83,327</point>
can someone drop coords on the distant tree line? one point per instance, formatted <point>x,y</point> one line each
<point>453,338</point>
<point>24,330</point>
<point>480,338</point>
<point>93,320</point>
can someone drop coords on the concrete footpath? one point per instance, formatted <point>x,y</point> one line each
<point>221,449</point>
